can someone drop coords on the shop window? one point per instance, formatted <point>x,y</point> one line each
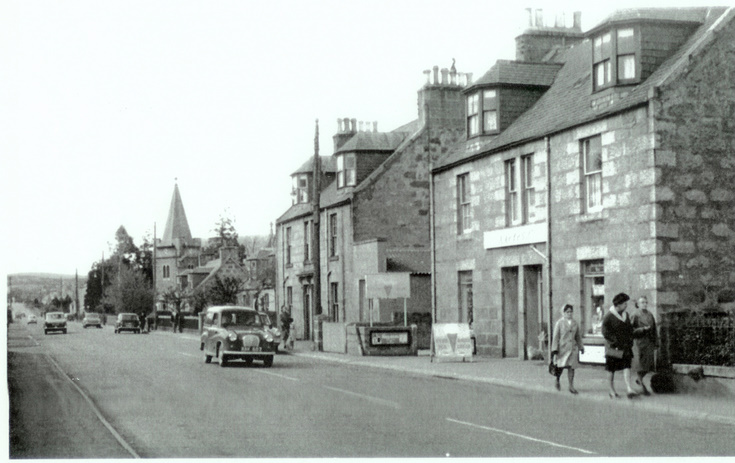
<point>593,296</point>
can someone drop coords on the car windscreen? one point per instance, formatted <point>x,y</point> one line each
<point>93,316</point>
<point>239,318</point>
<point>55,316</point>
<point>128,317</point>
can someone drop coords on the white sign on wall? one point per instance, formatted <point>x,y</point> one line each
<point>515,236</point>
<point>388,285</point>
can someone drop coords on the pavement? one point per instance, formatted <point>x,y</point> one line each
<point>708,398</point>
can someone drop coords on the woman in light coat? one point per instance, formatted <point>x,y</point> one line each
<point>566,343</point>
<point>645,342</point>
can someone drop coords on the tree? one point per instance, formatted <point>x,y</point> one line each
<point>96,288</point>
<point>225,230</point>
<point>224,290</point>
<point>173,296</point>
<point>126,251</point>
<point>198,300</point>
<point>131,292</point>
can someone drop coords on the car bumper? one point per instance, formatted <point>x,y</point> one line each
<point>238,354</point>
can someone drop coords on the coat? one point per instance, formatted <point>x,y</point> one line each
<point>645,341</point>
<point>618,333</point>
<point>566,342</point>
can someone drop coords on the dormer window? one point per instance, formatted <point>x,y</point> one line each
<point>482,108</point>
<point>614,56</point>
<point>301,188</point>
<point>346,171</point>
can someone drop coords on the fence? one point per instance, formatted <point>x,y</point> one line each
<point>699,338</point>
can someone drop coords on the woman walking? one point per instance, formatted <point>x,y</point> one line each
<point>618,333</point>
<point>565,344</point>
<point>645,343</point>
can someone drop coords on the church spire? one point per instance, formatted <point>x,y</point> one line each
<point>177,226</point>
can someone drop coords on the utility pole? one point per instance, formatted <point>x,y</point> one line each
<point>76,291</point>
<point>155,270</point>
<point>316,259</point>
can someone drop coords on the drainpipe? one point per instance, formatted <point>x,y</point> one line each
<point>550,290</point>
<point>431,230</point>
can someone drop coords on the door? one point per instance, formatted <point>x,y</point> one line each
<point>307,312</point>
<point>510,311</point>
<point>533,305</point>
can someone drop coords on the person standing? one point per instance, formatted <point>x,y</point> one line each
<point>618,333</point>
<point>286,321</point>
<point>566,344</point>
<point>645,342</point>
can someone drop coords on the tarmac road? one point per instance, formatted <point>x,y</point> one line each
<point>161,399</point>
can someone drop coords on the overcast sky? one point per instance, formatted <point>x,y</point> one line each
<point>107,104</point>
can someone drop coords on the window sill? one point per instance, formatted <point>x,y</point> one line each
<point>333,258</point>
<point>591,217</point>
<point>289,265</point>
<point>465,236</point>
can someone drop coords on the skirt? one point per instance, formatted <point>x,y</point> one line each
<point>613,364</point>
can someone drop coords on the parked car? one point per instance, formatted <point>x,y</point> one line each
<point>236,333</point>
<point>127,322</point>
<point>92,319</point>
<point>54,321</point>
<point>32,319</point>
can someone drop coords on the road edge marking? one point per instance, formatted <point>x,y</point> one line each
<point>509,433</point>
<point>96,411</point>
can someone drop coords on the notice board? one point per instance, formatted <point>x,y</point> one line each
<point>452,341</point>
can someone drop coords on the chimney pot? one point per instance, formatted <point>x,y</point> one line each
<point>436,75</point>
<point>353,124</point>
<point>540,18</point>
<point>530,16</point>
<point>339,125</point>
<point>375,126</point>
<point>346,122</point>
<point>445,76</point>
<point>427,73</point>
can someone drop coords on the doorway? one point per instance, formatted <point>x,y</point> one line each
<point>510,311</point>
<point>307,311</point>
<point>532,302</point>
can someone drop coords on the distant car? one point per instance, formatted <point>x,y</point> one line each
<point>236,333</point>
<point>32,319</point>
<point>127,322</point>
<point>54,321</point>
<point>275,332</point>
<point>92,319</point>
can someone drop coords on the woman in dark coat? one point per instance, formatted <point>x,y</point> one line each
<point>646,342</point>
<point>618,333</point>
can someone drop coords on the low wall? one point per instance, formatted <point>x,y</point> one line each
<point>334,337</point>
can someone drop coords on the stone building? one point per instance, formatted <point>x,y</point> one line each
<point>593,165</point>
<point>374,213</point>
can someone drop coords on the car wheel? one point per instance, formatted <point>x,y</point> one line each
<point>222,361</point>
<point>64,331</point>
<point>207,358</point>
<point>248,361</point>
<point>45,332</point>
<point>268,362</point>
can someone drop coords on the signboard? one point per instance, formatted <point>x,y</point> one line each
<point>452,340</point>
<point>388,285</point>
<point>593,354</point>
<point>515,236</point>
<point>389,338</point>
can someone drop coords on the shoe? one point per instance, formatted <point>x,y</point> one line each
<point>572,390</point>
<point>557,386</point>
<point>614,395</point>
<point>645,391</point>
<point>630,395</point>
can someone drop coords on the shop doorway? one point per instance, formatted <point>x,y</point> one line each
<point>510,311</point>
<point>532,302</point>
<point>307,311</point>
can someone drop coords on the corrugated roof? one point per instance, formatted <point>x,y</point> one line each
<point>518,73</point>
<point>408,260</point>
<point>568,102</point>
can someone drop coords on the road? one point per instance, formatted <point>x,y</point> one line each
<point>152,396</point>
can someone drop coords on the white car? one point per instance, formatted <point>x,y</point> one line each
<point>54,321</point>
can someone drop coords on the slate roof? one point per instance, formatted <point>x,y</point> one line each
<point>176,224</point>
<point>519,73</point>
<point>568,102</point>
<point>373,141</point>
<point>329,164</point>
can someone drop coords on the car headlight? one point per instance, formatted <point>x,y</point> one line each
<point>276,332</point>
<point>232,337</point>
<point>268,337</point>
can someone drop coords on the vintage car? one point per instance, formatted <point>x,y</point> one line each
<point>54,321</point>
<point>236,333</point>
<point>92,319</point>
<point>273,329</point>
<point>127,322</point>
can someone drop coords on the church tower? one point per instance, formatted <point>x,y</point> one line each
<point>176,250</point>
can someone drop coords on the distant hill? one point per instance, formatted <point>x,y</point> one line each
<point>44,287</point>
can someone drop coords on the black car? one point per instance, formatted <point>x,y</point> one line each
<point>127,322</point>
<point>236,333</point>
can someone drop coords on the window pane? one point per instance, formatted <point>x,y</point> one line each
<point>626,40</point>
<point>594,191</point>
<point>488,100</point>
<point>626,67</point>
<point>349,161</point>
<point>593,155</point>
<point>473,126</point>
<point>473,104</point>
<point>490,121</point>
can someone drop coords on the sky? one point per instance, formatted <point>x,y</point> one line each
<point>106,105</point>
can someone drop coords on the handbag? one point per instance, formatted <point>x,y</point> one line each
<point>553,369</point>
<point>614,352</point>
